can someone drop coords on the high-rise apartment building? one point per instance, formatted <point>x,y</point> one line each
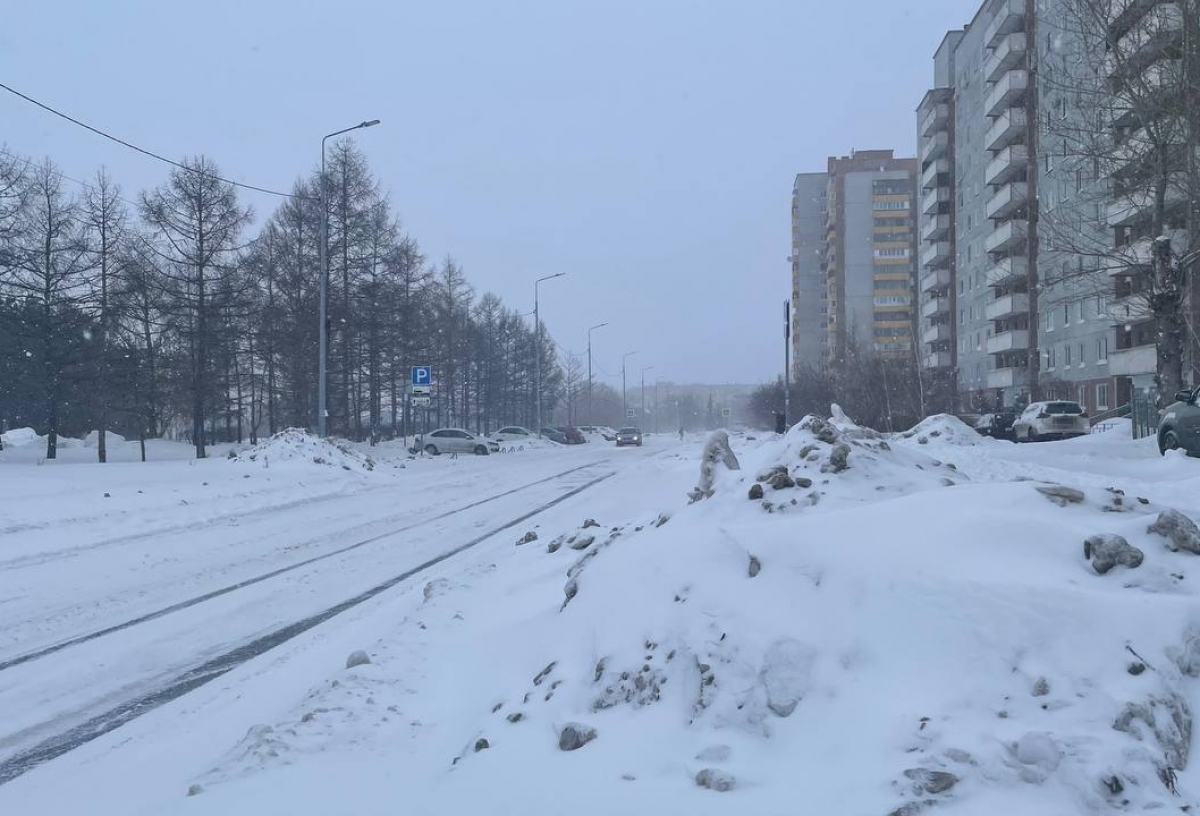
<point>859,295</point>
<point>1013,304</point>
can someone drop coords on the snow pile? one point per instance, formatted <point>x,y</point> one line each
<point>20,437</point>
<point>93,439</point>
<point>844,625</point>
<point>945,428</point>
<point>297,445</point>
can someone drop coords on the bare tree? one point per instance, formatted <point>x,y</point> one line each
<point>197,223</point>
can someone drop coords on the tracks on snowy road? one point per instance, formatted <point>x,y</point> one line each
<point>93,683</point>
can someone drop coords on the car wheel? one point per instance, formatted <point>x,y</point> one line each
<point>481,450</point>
<point>1169,440</point>
<point>431,449</point>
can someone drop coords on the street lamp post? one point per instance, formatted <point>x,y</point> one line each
<point>624,401</point>
<point>644,370</point>
<point>323,333</point>
<point>591,407</point>
<point>537,353</point>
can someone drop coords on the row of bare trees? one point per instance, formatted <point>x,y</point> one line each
<point>162,315</point>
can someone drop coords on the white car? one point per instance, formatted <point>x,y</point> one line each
<point>456,440</point>
<point>513,433</point>
<point>1054,419</point>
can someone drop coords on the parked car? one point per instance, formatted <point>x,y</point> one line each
<point>629,436</point>
<point>574,435</point>
<point>512,433</point>
<point>998,425</point>
<point>1179,427</point>
<point>1057,419</point>
<point>456,440</point>
<point>555,435</point>
<point>608,434</point>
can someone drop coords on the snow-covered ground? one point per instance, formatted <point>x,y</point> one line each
<point>895,625</point>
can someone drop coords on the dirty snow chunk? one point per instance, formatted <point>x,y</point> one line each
<point>1170,722</point>
<point>822,430</point>
<point>358,658</point>
<point>481,744</point>
<point>1107,551</point>
<point>590,523</point>
<point>715,753</point>
<point>782,481</point>
<point>1061,495</point>
<point>787,674</point>
<point>575,736</point>
<point>528,538</point>
<point>770,473</point>
<point>756,492</point>
<point>927,781</point>
<point>1179,529</point>
<point>716,451</point>
<point>1041,687</point>
<point>195,790</point>
<point>716,780</point>
<point>1187,658</point>
<point>1039,750</point>
<point>945,428</point>
<point>838,458</point>
<point>755,566</point>
<point>582,542</point>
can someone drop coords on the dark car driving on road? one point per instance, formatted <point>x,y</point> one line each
<point>629,436</point>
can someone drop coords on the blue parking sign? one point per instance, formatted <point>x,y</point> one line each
<point>422,376</point>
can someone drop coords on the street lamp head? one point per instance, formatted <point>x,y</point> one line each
<point>371,123</point>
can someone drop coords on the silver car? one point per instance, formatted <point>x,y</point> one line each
<point>456,440</point>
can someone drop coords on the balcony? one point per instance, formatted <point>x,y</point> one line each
<point>1141,252</point>
<point>1133,207</point>
<point>936,227</point>
<point>1007,306</point>
<point>1009,54</point>
<point>935,146</point>
<point>1012,377</point>
<point>1016,340</point>
<point>929,178</point>
<point>937,359</point>
<point>938,333</point>
<point>1009,18</point>
<point>937,118</point>
<point>1007,237</point>
<point>1007,165</point>
<point>1133,361</point>
<point>936,254</point>
<point>1007,200</point>
<point>935,281</point>
<point>935,306</point>
<point>1160,26</point>
<point>1009,127</point>
<point>932,200</point>
<point>1008,271</point>
<point>1008,91</point>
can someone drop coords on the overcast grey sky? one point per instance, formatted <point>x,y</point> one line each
<point>645,147</point>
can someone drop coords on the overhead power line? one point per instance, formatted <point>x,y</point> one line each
<point>142,150</point>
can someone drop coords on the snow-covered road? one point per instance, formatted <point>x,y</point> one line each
<point>106,617</point>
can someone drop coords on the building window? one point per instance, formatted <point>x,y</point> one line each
<point>1102,397</point>
<point>1050,359</point>
<point>1082,362</point>
<point>1067,355</point>
<point>962,316</point>
<point>1079,180</point>
<point>1049,321</point>
<point>1081,311</point>
<point>1066,314</point>
<point>1102,350</point>
<point>1101,305</point>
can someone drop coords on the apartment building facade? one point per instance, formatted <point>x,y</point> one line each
<point>861,293</point>
<point>1012,301</point>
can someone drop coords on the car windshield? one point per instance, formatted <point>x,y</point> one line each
<point>1054,408</point>
<point>627,431</point>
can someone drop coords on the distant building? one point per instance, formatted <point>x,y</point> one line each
<point>859,294</point>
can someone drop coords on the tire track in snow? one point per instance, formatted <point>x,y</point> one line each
<point>191,679</point>
<point>216,593</point>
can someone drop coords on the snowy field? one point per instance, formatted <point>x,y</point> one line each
<point>849,624</point>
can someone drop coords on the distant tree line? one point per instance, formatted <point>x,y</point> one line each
<point>164,315</point>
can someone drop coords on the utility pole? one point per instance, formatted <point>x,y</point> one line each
<point>624,399</point>
<point>787,362</point>
<point>657,411</point>
<point>323,333</point>
<point>537,353</point>
<point>643,422</point>
<point>591,406</point>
